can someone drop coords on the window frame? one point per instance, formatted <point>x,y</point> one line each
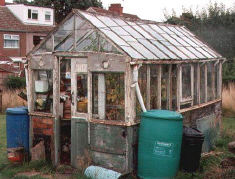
<point>13,37</point>
<point>32,12</point>
<point>48,13</point>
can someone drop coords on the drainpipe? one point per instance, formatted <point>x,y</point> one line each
<point>137,88</point>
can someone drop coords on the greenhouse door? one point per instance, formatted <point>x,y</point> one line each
<point>79,92</point>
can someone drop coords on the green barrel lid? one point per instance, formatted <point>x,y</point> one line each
<point>162,114</point>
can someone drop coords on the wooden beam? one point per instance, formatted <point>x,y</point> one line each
<point>179,87</point>
<point>159,87</point>
<point>213,80</point>
<point>169,88</point>
<point>130,96</point>
<point>56,102</point>
<point>198,84</point>
<point>101,96</point>
<point>192,83</point>
<point>148,88</point>
<point>205,73</point>
<point>220,81</point>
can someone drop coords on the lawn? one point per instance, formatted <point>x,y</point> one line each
<point>210,164</point>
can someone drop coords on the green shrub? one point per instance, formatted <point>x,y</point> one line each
<point>14,83</point>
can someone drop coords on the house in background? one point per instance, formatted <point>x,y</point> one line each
<point>21,28</point>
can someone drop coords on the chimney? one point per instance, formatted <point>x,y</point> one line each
<point>117,8</point>
<point>2,2</point>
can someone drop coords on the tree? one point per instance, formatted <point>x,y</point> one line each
<point>216,26</point>
<point>63,7</point>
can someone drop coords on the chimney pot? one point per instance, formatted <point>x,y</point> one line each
<point>2,2</point>
<point>117,8</point>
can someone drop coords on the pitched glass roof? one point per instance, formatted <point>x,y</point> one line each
<point>150,40</point>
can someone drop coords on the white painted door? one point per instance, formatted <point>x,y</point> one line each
<point>79,88</point>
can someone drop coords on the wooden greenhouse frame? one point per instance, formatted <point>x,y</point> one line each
<point>165,51</point>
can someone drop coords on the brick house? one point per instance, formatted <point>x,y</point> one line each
<point>21,28</point>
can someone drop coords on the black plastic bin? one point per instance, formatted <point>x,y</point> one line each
<point>191,149</point>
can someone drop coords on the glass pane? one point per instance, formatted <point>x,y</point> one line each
<point>153,49</point>
<point>186,81</point>
<point>65,88</point>
<point>82,93</point>
<point>66,45</point>
<point>195,100</point>
<point>210,51</point>
<point>216,81</point>
<point>133,32</point>
<point>190,42</point>
<point>142,80</point>
<point>164,86</point>
<point>173,29</point>
<point>210,91</point>
<point>133,53</point>
<point>204,53</point>
<point>47,46</point>
<point>198,54</point>
<point>179,39</point>
<point>152,32</point>
<point>93,19</point>
<point>157,29</point>
<point>202,84</point>
<point>188,53</point>
<point>140,30</point>
<point>43,91</point>
<point>174,87</point>
<point>166,30</point>
<point>164,49</point>
<point>153,86</point>
<point>170,39</point>
<point>141,49</point>
<point>179,53</point>
<point>114,96</point>
<point>63,31</point>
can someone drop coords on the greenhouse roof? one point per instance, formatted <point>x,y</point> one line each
<point>139,39</point>
<point>142,39</point>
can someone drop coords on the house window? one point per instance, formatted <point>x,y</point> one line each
<point>11,41</point>
<point>48,16</point>
<point>32,14</point>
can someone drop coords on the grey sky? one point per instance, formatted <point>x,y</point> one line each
<point>153,9</point>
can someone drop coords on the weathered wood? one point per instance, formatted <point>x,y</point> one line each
<point>198,83</point>
<point>213,81</point>
<point>169,88</point>
<point>206,96</point>
<point>148,88</point>
<point>44,62</point>
<point>220,81</point>
<point>106,63</point>
<point>192,83</point>
<point>56,102</point>
<point>130,96</point>
<point>101,96</point>
<point>159,87</point>
<point>179,87</point>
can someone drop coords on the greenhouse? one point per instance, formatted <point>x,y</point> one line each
<point>92,76</point>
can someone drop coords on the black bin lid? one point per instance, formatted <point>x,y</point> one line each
<point>192,132</point>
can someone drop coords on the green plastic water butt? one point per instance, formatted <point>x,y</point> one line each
<point>160,138</point>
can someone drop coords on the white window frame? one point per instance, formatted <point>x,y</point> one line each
<point>48,13</point>
<point>33,12</point>
<point>11,37</point>
<point>188,99</point>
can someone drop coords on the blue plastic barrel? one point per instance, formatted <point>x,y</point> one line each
<point>17,124</point>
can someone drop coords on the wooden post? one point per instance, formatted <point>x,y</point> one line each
<point>56,104</point>
<point>74,33</point>
<point>192,83</point>
<point>205,67</point>
<point>148,87</point>
<point>220,81</point>
<point>169,88</point>
<point>130,96</point>
<point>213,80</point>
<point>179,87</point>
<point>159,87</point>
<point>101,96</point>
<point>198,84</point>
